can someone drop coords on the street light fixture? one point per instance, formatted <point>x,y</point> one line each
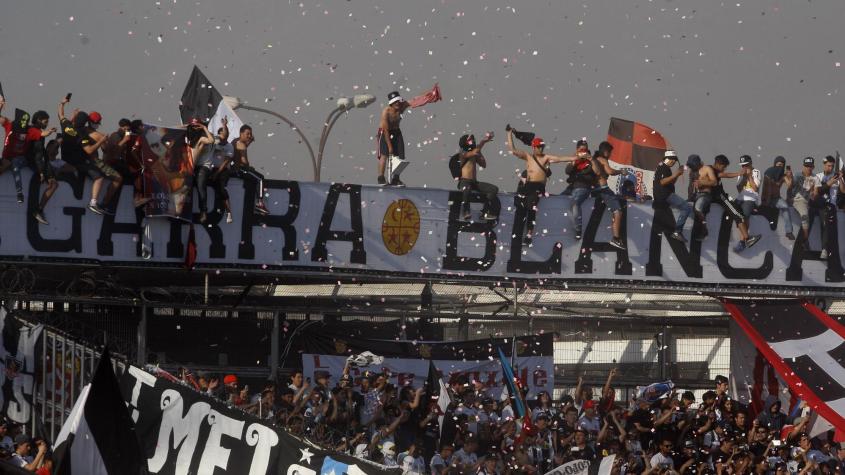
<point>344,104</point>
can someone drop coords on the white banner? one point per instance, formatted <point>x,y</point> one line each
<point>536,371</point>
<point>575,467</point>
<point>350,230</point>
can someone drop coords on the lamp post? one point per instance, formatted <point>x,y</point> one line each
<point>344,104</point>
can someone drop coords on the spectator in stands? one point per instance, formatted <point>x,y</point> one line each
<point>296,380</point>
<point>664,192</point>
<point>831,185</point>
<point>442,460</point>
<point>772,419</point>
<point>663,460</point>
<point>91,141</point>
<point>241,167</point>
<point>469,158</point>
<point>805,189</point>
<point>411,460</point>
<point>21,456</point>
<point>590,421</point>
<point>773,179</point>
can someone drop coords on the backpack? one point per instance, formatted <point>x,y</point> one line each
<point>455,166</point>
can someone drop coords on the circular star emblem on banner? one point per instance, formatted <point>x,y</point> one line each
<point>401,227</point>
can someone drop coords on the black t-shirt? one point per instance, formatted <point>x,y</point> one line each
<point>662,192</point>
<point>646,419</point>
<point>72,153</point>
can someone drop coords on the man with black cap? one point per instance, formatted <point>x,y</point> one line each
<point>602,168</point>
<point>664,192</point>
<point>773,178</point>
<point>390,141</point>
<point>21,457</point>
<point>538,169</point>
<point>91,141</point>
<point>832,183</point>
<point>748,186</point>
<point>805,189</point>
<point>469,158</point>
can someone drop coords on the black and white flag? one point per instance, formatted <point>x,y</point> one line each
<point>202,101</point>
<point>804,345</point>
<point>98,438</point>
<point>17,355</point>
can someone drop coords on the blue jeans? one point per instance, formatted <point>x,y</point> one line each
<point>579,195</point>
<point>783,207</point>
<point>17,164</point>
<point>684,208</point>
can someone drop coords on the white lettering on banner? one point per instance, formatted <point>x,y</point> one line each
<point>215,454</point>
<point>184,431</point>
<point>535,371</point>
<point>346,236</point>
<point>263,439</point>
<point>141,378</point>
<point>294,469</point>
<point>575,467</point>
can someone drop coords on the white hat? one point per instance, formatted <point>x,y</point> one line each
<point>388,448</point>
<point>670,154</point>
<point>394,97</point>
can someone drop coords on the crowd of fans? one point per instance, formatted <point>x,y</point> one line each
<point>371,418</point>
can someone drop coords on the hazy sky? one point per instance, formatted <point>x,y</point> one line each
<point>748,76</point>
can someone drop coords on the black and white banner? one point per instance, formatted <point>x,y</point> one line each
<point>355,230</point>
<point>17,355</point>
<point>804,345</point>
<point>600,466</point>
<point>184,432</point>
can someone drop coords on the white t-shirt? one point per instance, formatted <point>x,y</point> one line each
<point>411,465</point>
<point>833,191</point>
<point>659,460</point>
<point>747,193</point>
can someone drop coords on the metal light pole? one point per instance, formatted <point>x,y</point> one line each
<point>344,104</point>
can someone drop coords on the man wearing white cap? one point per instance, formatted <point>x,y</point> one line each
<point>390,141</point>
<point>664,192</point>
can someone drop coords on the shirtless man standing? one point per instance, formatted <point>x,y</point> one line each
<point>538,168</point>
<point>390,141</point>
<point>709,189</point>
<point>602,169</point>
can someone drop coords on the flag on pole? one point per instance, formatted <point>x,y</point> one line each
<point>201,100</point>
<point>431,96</point>
<point>437,391</point>
<point>2,95</point>
<point>510,381</point>
<point>98,438</point>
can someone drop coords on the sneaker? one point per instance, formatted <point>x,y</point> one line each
<point>790,236</point>
<point>203,217</point>
<point>752,240</point>
<point>617,244</point>
<point>577,234</point>
<point>95,208</point>
<point>106,210</point>
<point>397,182</point>
<point>823,255</point>
<point>40,218</point>
<point>466,216</point>
<point>20,197</point>
<point>740,246</point>
<point>678,237</point>
<point>229,219</point>
<point>261,209</point>
<point>146,253</point>
<point>381,180</point>
<point>489,217</point>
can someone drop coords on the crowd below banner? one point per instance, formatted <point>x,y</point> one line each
<point>660,431</point>
<point>116,159</point>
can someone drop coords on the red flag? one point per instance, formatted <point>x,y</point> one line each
<point>431,96</point>
<point>191,251</point>
<point>636,144</point>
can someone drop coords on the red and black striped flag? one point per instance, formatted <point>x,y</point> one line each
<point>804,345</point>
<point>636,144</point>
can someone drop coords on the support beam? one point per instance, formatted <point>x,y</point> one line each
<point>274,346</point>
<point>141,358</point>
